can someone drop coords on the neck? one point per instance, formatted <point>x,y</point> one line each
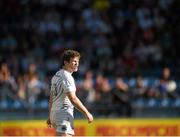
<point>67,69</point>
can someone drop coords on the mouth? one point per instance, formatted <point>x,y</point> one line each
<point>75,67</point>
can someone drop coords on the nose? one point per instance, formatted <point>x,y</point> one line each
<point>76,63</point>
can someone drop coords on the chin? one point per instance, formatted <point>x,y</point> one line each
<point>75,70</point>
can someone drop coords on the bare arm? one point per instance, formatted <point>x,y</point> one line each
<point>78,104</point>
<point>50,105</point>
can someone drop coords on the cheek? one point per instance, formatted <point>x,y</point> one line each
<point>73,65</point>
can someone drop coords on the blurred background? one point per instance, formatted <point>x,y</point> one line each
<point>130,65</point>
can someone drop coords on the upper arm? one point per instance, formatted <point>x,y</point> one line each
<point>71,96</point>
<point>50,97</point>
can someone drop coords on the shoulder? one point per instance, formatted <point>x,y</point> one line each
<point>57,75</point>
<point>63,75</point>
<point>67,75</point>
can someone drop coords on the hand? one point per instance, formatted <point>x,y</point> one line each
<point>49,122</point>
<point>90,117</point>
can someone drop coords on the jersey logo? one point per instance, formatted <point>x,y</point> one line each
<point>63,128</point>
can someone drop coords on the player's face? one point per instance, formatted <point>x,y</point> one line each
<point>73,64</point>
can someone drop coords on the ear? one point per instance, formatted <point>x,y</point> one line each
<point>65,62</point>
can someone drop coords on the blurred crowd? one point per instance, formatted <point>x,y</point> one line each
<point>129,50</point>
<point>117,96</point>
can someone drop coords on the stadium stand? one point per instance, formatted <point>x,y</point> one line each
<point>130,64</point>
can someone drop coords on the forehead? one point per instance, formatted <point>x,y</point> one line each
<point>74,59</point>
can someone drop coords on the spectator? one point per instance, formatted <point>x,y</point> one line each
<point>87,91</point>
<point>8,85</point>
<point>167,86</point>
<point>139,88</point>
<point>121,98</point>
<point>105,98</point>
<point>35,87</point>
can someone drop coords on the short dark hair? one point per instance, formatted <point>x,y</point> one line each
<point>68,54</point>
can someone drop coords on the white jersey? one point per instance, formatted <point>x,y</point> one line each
<point>61,83</point>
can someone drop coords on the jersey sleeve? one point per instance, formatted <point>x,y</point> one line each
<point>69,85</point>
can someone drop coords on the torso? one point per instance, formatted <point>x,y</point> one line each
<point>61,83</point>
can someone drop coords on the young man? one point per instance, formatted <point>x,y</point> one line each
<point>63,97</point>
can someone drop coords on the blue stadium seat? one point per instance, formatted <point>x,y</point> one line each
<point>165,102</point>
<point>17,104</point>
<point>132,82</point>
<point>4,104</point>
<point>42,104</point>
<point>139,102</point>
<point>152,102</point>
<point>177,102</point>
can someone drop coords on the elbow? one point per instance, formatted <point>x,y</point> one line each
<point>74,100</point>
